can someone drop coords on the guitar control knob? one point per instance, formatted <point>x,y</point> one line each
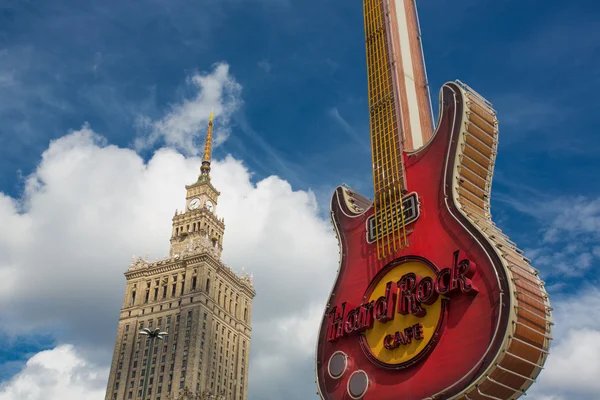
<point>358,384</point>
<point>338,364</point>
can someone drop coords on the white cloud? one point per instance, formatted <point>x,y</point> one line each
<point>576,217</point>
<point>569,234</point>
<point>526,112</point>
<point>7,281</point>
<point>573,366</point>
<point>575,362</point>
<point>57,374</point>
<point>285,369</point>
<point>186,122</point>
<point>6,78</point>
<point>89,206</point>
<point>265,65</point>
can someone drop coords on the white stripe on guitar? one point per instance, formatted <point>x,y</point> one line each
<point>407,65</point>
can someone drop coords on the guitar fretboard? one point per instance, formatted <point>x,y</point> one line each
<point>386,140</point>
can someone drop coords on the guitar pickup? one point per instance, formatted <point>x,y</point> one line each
<point>382,226</point>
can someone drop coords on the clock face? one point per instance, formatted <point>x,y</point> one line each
<point>194,204</point>
<point>209,205</point>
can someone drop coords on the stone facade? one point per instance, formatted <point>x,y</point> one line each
<point>204,306</point>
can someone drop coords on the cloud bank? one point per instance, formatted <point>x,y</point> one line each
<point>60,373</point>
<point>90,206</point>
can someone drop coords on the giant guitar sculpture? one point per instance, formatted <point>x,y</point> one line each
<point>432,300</point>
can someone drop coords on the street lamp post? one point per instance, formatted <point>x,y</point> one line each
<point>151,334</point>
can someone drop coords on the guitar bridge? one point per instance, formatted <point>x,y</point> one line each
<point>410,203</point>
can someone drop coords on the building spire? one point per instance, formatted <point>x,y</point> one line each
<point>205,168</point>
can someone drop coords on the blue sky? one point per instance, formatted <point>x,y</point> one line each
<point>301,66</point>
<point>302,69</point>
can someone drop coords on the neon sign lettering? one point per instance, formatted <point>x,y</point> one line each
<point>405,296</point>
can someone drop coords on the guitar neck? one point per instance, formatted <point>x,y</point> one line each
<point>384,110</point>
<point>399,102</point>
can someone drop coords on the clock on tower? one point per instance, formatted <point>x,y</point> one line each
<point>198,227</point>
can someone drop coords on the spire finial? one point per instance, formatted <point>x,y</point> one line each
<point>205,168</point>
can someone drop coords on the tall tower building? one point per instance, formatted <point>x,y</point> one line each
<point>203,305</point>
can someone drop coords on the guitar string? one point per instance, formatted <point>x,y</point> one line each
<point>379,154</point>
<point>385,192</point>
<point>387,169</point>
<point>397,164</point>
<point>369,35</point>
<point>393,129</point>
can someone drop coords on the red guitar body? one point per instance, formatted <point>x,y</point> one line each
<point>473,328</point>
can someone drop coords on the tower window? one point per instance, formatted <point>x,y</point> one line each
<point>246,314</point>
<point>207,285</point>
<point>194,279</point>
<point>133,297</point>
<point>194,227</point>
<point>176,231</point>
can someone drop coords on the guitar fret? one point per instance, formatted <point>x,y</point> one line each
<point>386,143</point>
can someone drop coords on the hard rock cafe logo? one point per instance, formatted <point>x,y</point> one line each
<point>403,309</point>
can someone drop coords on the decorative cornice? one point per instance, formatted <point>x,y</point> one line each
<point>189,215</point>
<point>200,182</point>
<point>141,268</point>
